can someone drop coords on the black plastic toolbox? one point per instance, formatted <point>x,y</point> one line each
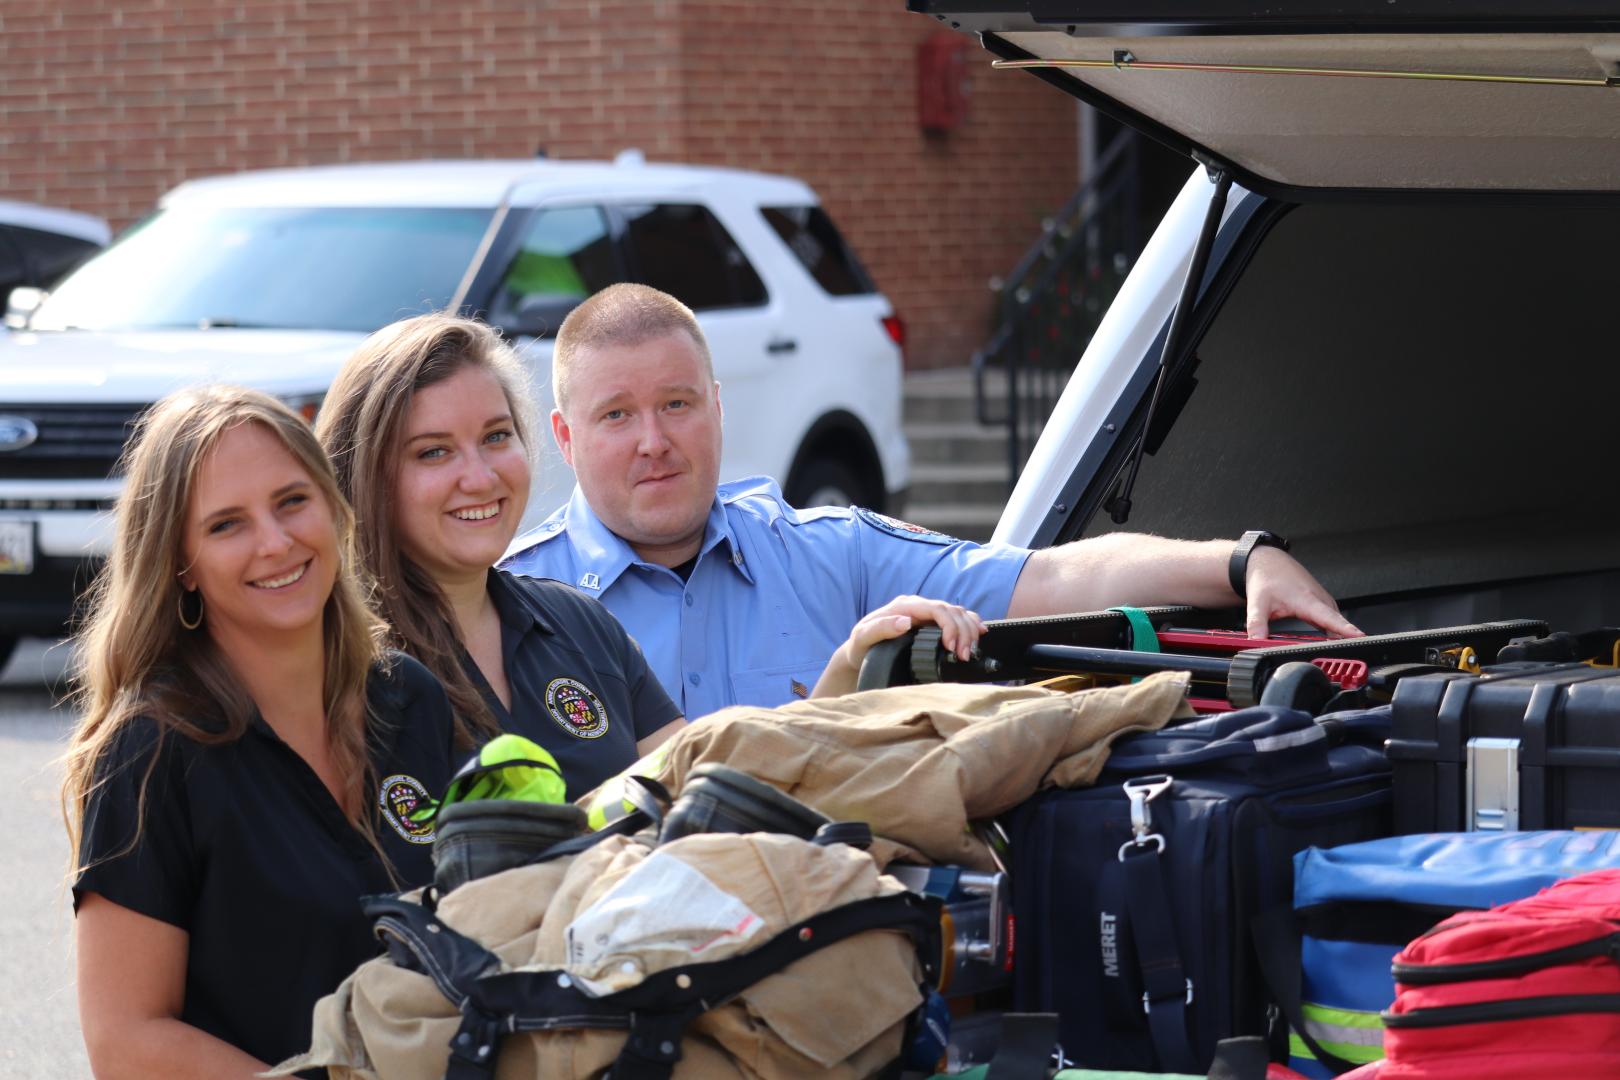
<point>1518,746</point>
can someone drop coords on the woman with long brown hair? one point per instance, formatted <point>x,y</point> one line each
<point>429,428</point>
<point>249,753</point>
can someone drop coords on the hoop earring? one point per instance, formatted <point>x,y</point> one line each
<point>190,625</point>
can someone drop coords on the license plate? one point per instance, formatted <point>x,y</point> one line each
<point>16,547</point>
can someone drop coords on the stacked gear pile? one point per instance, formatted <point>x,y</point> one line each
<point>632,953</point>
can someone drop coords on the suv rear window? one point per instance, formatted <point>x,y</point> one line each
<point>812,237</point>
<point>685,251</point>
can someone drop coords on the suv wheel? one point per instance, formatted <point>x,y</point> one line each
<point>827,482</point>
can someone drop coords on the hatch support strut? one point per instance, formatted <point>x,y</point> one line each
<point>1119,503</point>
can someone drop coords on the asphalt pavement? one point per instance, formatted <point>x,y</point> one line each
<point>39,1021</point>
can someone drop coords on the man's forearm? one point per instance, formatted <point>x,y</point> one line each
<point>1140,570</point>
<point>1123,568</point>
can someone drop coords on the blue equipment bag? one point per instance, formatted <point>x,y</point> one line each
<point>1356,906</point>
<point>1133,898</point>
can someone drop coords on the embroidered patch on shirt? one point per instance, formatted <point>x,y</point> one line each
<point>903,529</point>
<point>590,581</point>
<point>799,689</point>
<point>396,798</point>
<point>576,708</point>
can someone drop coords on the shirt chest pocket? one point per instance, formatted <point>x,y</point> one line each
<point>773,686</point>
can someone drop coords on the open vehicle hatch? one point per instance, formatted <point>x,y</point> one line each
<point>1362,95</point>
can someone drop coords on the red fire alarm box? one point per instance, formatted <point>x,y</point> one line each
<point>942,81</point>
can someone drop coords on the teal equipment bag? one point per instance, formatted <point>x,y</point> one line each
<point>1357,905</point>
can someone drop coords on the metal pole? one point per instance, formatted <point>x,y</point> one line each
<point>1119,507</point>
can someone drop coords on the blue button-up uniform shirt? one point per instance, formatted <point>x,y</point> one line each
<point>774,593</point>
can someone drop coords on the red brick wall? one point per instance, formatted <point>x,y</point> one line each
<point>833,101</point>
<point>106,104</point>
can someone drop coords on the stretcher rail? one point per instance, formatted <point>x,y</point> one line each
<point>1103,643</point>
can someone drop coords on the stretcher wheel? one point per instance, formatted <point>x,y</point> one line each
<point>888,663</point>
<point>1299,686</point>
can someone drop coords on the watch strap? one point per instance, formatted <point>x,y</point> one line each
<point>1237,567</point>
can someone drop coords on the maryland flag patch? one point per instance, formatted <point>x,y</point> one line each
<point>396,798</point>
<point>576,708</point>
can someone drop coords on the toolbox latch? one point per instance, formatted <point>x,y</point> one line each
<point>1493,784</point>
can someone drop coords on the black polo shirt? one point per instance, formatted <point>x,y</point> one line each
<point>580,685</point>
<point>245,849</point>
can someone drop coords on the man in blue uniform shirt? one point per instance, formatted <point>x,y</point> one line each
<point>738,598</point>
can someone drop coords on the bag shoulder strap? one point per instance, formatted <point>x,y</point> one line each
<point>1024,1050</point>
<point>1167,990</point>
<point>1277,947</point>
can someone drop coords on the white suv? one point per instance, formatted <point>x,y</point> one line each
<point>272,278</point>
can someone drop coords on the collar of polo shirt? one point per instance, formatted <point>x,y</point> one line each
<point>603,555</point>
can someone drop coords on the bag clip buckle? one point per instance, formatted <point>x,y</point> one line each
<point>1147,1000</point>
<point>1142,790</point>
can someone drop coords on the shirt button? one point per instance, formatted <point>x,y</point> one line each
<point>688,599</point>
<point>694,678</point>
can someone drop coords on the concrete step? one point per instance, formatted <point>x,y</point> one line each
<point>958,467</point>
<point>962,520</point>
<point>948,396</point>
<point>981,485</point>
<point>938,443</point>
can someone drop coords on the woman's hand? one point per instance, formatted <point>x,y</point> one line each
<point>959,632</point>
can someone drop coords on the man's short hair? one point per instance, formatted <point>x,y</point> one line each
<point>621,316</point>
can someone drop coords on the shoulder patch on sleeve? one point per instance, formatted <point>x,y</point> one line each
<point>905,530</point>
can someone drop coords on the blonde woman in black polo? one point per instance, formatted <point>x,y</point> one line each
<point>248,755</point>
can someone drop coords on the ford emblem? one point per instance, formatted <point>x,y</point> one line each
<point>16,432</point>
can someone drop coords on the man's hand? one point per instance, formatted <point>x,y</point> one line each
<point>1278,587</point>
<point>959,630</point>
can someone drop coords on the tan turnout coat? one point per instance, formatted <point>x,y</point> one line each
<point>916,763</point>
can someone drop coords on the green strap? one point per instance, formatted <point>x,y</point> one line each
<point>1143,637</point>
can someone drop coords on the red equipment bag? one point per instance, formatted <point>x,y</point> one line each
<point>1531,988</point>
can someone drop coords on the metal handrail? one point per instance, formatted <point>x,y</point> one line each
<point>1072,210</point>
<point>1054,297</point>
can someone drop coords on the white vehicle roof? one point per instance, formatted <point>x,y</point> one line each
<point>464,184</point>
<point>56,220</point>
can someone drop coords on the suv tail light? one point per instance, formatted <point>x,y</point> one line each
<point>895,327</point>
